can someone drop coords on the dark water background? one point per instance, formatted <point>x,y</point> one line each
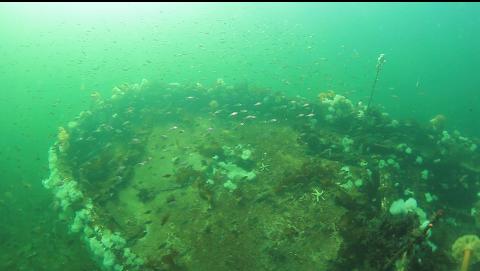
<point>54,55</point>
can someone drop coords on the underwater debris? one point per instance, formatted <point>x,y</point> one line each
<point>417,236</point>
<point>380,62</point>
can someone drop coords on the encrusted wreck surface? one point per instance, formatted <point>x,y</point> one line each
<point>185,177</point>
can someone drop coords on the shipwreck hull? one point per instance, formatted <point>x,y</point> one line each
<point>184,177</point>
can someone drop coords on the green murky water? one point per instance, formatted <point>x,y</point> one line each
<point>54,56</point>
